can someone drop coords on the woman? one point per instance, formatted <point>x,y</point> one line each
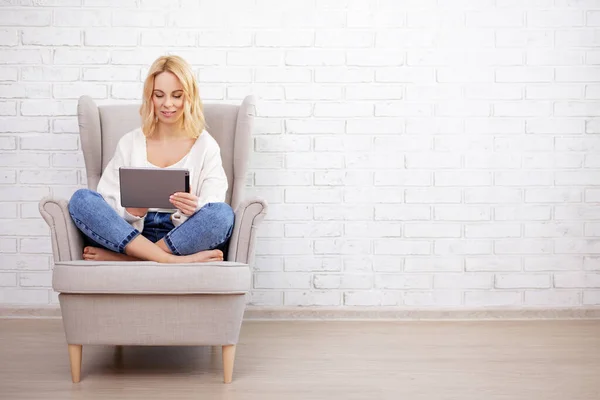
<point>172,135</point>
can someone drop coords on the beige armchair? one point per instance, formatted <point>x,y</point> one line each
<point>147,303</point>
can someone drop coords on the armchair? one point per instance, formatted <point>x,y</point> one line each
<point>147,303</point>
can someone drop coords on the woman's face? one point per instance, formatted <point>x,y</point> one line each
<point>167,98</point>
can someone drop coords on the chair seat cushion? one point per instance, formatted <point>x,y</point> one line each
<point>142,277</point>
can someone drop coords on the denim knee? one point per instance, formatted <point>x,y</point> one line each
<point>80,199</point>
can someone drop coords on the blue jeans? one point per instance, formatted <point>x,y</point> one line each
<point>208,228</point>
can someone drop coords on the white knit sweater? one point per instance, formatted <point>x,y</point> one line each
<point>207,177</point>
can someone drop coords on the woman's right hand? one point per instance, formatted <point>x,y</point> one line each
<point>138,212</point>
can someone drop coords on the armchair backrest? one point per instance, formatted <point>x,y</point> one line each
<point>101,127</point>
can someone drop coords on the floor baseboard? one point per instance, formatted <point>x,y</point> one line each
<point>363,313</point>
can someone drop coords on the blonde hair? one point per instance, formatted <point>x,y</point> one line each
<point>192,120</point>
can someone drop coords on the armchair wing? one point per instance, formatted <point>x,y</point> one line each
<point>67,240</point>
<point>248,216</point>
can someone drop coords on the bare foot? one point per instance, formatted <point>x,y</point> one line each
<point>202,256</point>
<point>99,254</point>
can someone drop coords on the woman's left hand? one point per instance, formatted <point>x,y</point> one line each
<point>184,202</point>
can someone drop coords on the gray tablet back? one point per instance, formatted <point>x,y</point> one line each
<point>151,187</point>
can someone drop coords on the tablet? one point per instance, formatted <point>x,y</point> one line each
<point>151,187</point>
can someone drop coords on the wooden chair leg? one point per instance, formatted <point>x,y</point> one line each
<point>228,359</point>
<point>75,351</point>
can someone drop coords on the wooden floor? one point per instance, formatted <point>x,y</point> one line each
<point>319,360</point>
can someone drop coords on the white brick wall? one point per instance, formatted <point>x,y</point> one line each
<point>422,153</point>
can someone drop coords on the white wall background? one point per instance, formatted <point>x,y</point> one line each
<point>415,153</point>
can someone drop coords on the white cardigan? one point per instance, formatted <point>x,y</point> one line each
<point>207,176</point>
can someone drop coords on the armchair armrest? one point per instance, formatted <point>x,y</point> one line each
<point>67,240</point>
<point>248,216</point>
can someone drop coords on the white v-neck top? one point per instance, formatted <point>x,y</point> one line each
<point>207,176</point>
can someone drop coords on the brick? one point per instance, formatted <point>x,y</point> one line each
<point>53,177</point>
<point>494,126</point>
<point>120,91</point>
<point>48,108</point>
<point>403,178</point>
<point>65,125</point>
<point>24,296</point>
<point>8,245</point>
<point>375,195</point>
<point>372,229</point>
<point>461,213</point>
<point>466,144</point>
<point>345,109</point>
<point>312,263</point>
<point>8,73</point>
<point>313,126</point>
<point>555,57</point>
<point>462,247</point>
<point>8,108</point>
<point>492,298</point>
<point>523,109</point>
<point>23,159</point>
<point>427,92</point>
<point>463,109</point>
<point>314,160</point>
<point>570,38</point>
<point>463,178</point>
<point>372,298</point>
<point>9,37</point>
<point>23,17</point>
<point>49,142</point>
<point>492,195</point>
<point>374,58</point>
<point>313,298</point>
<point>313,230</point>
<point>402,143</point>
<point>554,92</point>
<point>289,280</point>
<point>316,195</point>
<point>591,297</point>
<point>343,213</point>
<point>76,90</point>
<point>492,230</point>
<point>373,161</point>
<point>555,126</point>
<point>574,246</point>
<point>21,90</point>
<point>282,143</point>
<point>268,298</point>
<point>138,18</point>
<point>25,56</point>
<point>21,125</point>
<point>417,126</point>
<point>358,263</point>
<point>342,246</point>
<point>553,195</point>
<point>315,57</point>
<point>523,143</point>
<point>431,230</point>
<point>111,74</point>
<point>8,210</point>
<point>35,279</point>
<point>284,38</point>
<point>486,91</point>
<point>345,281</point>
<point>553,263</point>
<point>522,281</point>
<point>463,281</point>
<point>434,19</point>
<point>495,19</point>
<point>524,178</point>
<point>23,227</point>
<point>82,18</point>
<point>523,246</point>
<point>287,178</point>
<point>283,75</point>
<point>411,39</point>
<point>492,263</point>
<point>225,38</point>
<point>525,38</point>
<point>576,280</point>
<point>8,177</point>
<point>284,109</point>
<point>403,109</point>
<point>405,74</point>
<point>402,281</point>
<point>397,246</point>
<point>343,75</point>
<point>577,74</point>
<point>552,298</point>
<point>437,298</point>
<point>120,37</point>
<point>289,212</point>
<point>554,19</point>
<point>51,37</point>
<point>432,195</point>
<point>395,212</point>
<point>40,74</point>
<point>342,38</point>
<point>573,178</point>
